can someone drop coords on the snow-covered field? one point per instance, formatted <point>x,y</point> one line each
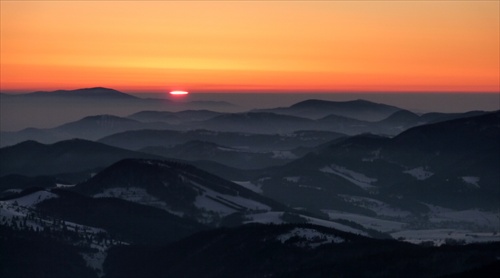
<point>275,217</point>
<point>306,237</point>
<point>379,207</point>
<point>249,185</point>
<point>222,204</point>
<point>474,181</point>
<point>441,236</point>
<point>356,178</point>
<point>420,173</point>
<point>284,155</point>
<point>367,222</point>
<point>20,212</point>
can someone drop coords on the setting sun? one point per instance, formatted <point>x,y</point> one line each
<point>177,93</point>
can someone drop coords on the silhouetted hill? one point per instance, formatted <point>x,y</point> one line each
<point>96,92</point>
<point>176,187</point>
<point>293,251</point>
<point>32,158</point>
<point>357,109</point>
<point>435,117</point>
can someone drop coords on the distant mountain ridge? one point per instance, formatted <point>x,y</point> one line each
<point>82,93</point>
<point>87,128</point>
<point>356,109</point>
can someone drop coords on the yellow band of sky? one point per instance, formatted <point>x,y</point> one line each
<point>251,45</point>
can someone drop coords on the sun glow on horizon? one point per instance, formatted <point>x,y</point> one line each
<point>389,46</point>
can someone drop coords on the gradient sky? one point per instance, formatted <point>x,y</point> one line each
<point>156,46</point>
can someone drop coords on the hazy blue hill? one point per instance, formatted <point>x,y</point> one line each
<point>155,116</point>
<point>345,125</point>
<point>94,127</point>
<point>32,158</point>
<point>401,118</point>
<point>197,115</point>
<point>357,109</point>
<point>135,140</point>
<point>263,123</point>
<point>243,159</point>
<point>89,128</point>
<point>174,117</point>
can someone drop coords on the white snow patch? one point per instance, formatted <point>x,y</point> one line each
<point>60,185</point>
<point>249,185</point>
<point>354,177</point>
<point>306,237</point>
<point>274,217</point>
<point>292,179</point>
<point>471,180</point>
<point>95,260</point>
<point>270,217</point>
<point>379,207</point>
<point>367,222</point>
<point>13,190</point>
<point>375,155</point>
<point>133,194</point>
<point>310,186</point>
<point>137,195</point>
<point>284,155</point>
<point>420,173</point>
<point>334,225</point>
<point>238,150</point>
<point>223,204</point>
<point>32,199</point>
<point>477,217</point>
<point>439,236</point>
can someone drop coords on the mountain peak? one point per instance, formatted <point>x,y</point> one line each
<point>100,92</point>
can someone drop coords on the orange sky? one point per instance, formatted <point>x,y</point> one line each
<point>251,46</point>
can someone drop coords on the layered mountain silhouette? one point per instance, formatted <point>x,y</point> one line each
<point>90,128</point>
<point>32,158</point>
<point>319,188</point>
<point>239,158</point>
<point>139,139</point>
<point>453,164</point>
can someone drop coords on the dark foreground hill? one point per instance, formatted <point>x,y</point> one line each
<point>294,251</point>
